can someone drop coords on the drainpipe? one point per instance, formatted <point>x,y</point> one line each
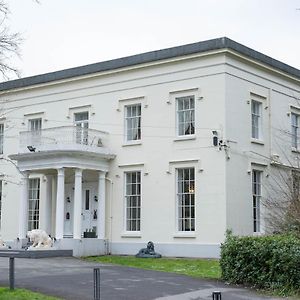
<point>110,212</point>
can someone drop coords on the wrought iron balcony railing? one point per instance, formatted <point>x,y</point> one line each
<point>70,137</point>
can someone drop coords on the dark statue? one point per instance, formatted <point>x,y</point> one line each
<point>148,252</point>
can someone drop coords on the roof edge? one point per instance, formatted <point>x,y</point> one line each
<point>152,56</point>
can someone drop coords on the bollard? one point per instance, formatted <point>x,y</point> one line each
<point>12,273</point>
<point>216,295</point>
<point>96,284</point>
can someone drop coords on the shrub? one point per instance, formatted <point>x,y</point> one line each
<point>270,262</point>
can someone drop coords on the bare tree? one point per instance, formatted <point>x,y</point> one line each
<point>9,44</point>
<point>282,199</point>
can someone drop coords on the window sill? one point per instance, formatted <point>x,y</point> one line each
<point>296,150</point>
<point>185,235</point>
<point>185,138</point>
<point>132,143</point>
<point>256,141</point>
<point>128,234</point>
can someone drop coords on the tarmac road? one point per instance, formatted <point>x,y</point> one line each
<point>71,278</point>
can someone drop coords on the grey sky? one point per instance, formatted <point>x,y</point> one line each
<point>67,33</point>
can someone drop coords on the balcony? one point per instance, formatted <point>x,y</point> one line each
<point>64,138</point>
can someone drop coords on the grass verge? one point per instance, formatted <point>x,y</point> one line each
<point>21,294</point>
<point>200,268</point>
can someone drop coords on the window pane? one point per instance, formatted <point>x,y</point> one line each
<point>33,203</point>
<point>133,122</point>
<point>0,201</point>
<point>185,115</point>
<point>1,138</point>
<point>133,200</point>
<point>82,116</point>
<point>294,130</point>
<point>256,191</point>
<point>186,199</point>
<point>256,108</point>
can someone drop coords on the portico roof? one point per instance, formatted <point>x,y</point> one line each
<point>56,159</point>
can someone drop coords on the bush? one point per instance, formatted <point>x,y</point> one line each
<point>269,262</point>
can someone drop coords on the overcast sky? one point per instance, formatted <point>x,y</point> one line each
<point>59,34</point>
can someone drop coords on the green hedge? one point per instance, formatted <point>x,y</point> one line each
<point>271,262</point>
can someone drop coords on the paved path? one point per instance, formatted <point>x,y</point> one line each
<point>71,278</point>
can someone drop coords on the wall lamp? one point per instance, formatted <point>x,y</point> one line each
<point>31,148</point>
<point>215,138</point>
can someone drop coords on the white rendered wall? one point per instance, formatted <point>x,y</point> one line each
<point>223,186</point>
<point>245,154</point>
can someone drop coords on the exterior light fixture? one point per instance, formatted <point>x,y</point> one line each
<point>31,148</point>
<point>215,138</point>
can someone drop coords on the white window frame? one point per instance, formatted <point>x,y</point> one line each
<point>81,127</point>
<point>34,194</point>
<point>133,224</point>
<point>257,176</point>
<point>1,199</point>
<point>135,119</point>
<point>184,113</point>
<point>295,130</point>
<point>1,137</point>
<point>186,222</point>
<point>35,125</point>
<point>35,128</point>
<point>256,120</point>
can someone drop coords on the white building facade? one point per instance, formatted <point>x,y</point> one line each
<point>172,146</point>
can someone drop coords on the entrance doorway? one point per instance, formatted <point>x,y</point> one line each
<point>89,213</point>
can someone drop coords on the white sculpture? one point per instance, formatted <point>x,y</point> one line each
<point>40,239</point>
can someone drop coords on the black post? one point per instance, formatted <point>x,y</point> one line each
<point>96,284</point>
<point>12,273</point>
<point>216,295</point>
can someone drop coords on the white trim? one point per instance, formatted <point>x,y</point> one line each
<point>185,234</point>
<point>181,138</point>
<point>257,141</point>
<point>131,234</point>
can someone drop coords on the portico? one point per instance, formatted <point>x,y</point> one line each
<point>63,190</point>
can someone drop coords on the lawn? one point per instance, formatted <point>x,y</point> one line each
<point>200,268</point>
<point>21,294</point>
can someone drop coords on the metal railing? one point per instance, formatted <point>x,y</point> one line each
<point>64,135</point>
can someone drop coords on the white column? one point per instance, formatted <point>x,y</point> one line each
<point>23,209</point>
<point>77,218</point>
<point>101,206</point>
<point>48,204</point>
<point>53,205</point>
<point>60,201</point>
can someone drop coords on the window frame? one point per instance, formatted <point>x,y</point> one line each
<point>35,125</point>
<point>1,200</point>
<point>295,136</point>
<point>34,221</point>
<point>81,127</point>
<point>183,112</point>
<point>138,219</point>
<point>1,137</point>
<point>139,122</point>
<point>191,216</point>
<point>259,118</point>
<point>256,188</point>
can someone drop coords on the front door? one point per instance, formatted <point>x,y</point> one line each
<point>69,204</point>
<point>89,208</point>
